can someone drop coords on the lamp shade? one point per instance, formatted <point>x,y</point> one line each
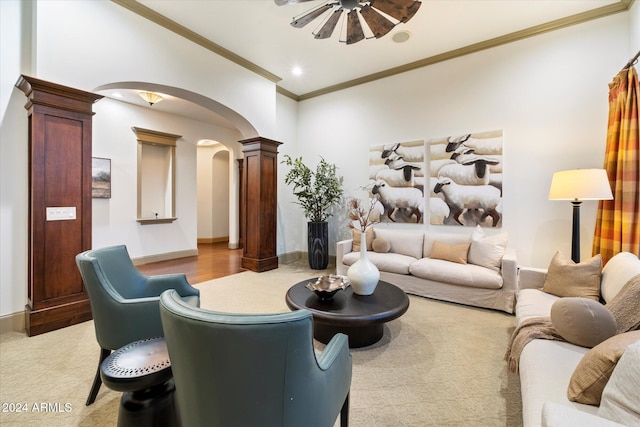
<point>580,184</point>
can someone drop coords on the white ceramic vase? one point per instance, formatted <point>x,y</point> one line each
<point>363,274</point>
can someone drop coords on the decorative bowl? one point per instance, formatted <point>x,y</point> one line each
<point>327,286</point>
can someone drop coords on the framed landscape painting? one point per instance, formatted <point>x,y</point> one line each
<point>100,178</point>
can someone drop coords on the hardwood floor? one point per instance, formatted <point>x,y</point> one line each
<point>214,260</point>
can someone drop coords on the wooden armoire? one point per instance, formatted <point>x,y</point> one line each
<point>60,127</point>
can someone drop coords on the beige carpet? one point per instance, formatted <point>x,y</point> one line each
<point>440,364</point>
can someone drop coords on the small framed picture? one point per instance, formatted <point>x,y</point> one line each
<point>100,178</point>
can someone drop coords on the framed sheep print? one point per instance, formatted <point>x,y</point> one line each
<point>100,178</point>
<point>465,180</point>
<point>396,180</point>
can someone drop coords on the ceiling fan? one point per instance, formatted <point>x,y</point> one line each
<point>379,16</point>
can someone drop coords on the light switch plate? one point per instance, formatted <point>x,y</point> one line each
<point>61,213</point>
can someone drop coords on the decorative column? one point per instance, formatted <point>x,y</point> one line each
<point>60,120</point>
<point>259,199</point>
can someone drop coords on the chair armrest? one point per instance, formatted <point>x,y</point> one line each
<point>161,283</point>
<point>117,321</point>
<point>531,278</point>
<point>337,348</point>
<point>342,247</point>
<point>509,270</point>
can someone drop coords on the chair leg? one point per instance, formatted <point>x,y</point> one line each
<point>344,413</point>
<point>97,381</point>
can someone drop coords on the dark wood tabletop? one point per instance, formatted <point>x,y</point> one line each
<point>359,316</point>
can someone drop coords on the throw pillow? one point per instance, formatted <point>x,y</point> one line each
<point>582,321</point>
<point>594,369</point>
<point>380,244</point>
<point>487,251</point>
<point>625,306</point>
<point>453,253</point>
<point>565,278</point>
<point>620,401</point>
<point>356,236</point>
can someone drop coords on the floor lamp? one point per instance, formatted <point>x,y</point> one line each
<point>578,185</point>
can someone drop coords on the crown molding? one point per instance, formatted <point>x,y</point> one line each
<point>557,24</point>
<point>134,6</point>
<point>196,38</point>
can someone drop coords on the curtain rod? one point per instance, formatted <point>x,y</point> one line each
<point>632,61</point>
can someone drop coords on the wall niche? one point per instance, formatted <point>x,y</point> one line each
<point>156,176</point>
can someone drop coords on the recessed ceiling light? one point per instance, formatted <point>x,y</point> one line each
<point>117,95</point>
<point>296,71</point>
<point>401,36</point>
<point>207,142</point>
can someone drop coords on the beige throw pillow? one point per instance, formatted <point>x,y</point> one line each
<point>487,251</point>
<point>592,373</point>
<point>625,306</point>
<point>565,278</point>
<point>453,253</point>
<point>582,321</point>
<point>380,244</point>
<point>356,235</point>
<point>620,401</point>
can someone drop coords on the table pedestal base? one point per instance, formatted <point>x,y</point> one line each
<point>152,407</point>
<point>360,336</point>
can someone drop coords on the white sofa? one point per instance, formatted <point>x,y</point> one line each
<point>407,265</point>
<point>546,366</point>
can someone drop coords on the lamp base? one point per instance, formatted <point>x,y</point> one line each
<point>575,232</point>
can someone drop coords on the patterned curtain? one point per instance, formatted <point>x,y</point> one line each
<point>618,220</point>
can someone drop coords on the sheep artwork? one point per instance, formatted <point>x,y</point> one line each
<point>407,199</point>
<point>461,198</point>
<point>467,160</point>
<point>471,170</point>
<point>408,153</point>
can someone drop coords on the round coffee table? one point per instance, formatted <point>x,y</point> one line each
<point>360,317</point>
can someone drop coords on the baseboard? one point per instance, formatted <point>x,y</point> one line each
<point>14,322</point>
<point>164,257</point>
<point>213,239</point>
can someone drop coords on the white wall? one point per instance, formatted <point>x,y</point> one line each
<point>548,94</point>
<point>213,192</point>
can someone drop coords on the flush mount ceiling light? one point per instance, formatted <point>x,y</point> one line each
<point>150,97</point>
<point>376,17</point>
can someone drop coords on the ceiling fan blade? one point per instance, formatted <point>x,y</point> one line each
<point>328,27</point>
<point>402,10</point>
<point>378,24</point>
<point>283,2</point>
<point>354,29</point>
<point>305,19</point>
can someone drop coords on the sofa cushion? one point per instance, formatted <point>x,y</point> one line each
<point>533,303</point>
<point>356,235</point>
<point>389,262</point>
<point>620,401</point>
<point>566,278</point>
<point>402,242</point>
<point>380,244</point>
<point>450,238</point>
<point>487,251</point>
<point>616,272</point>
<point>592,373</point>
<point>457,274</point>
<point>454,253</point>
<point>582,321</point>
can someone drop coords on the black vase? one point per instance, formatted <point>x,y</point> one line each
<point>318,244</point>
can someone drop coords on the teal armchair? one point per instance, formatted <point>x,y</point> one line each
<point>124,302</point>
<point>259,370</point>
